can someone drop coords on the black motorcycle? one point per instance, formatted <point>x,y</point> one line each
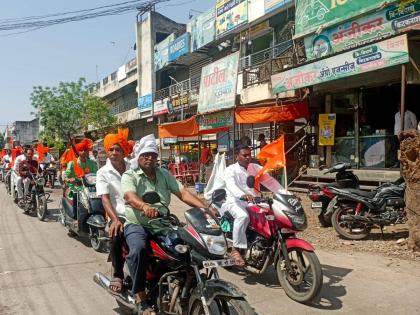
<point>182,275</point>
<point>321,195</point>
<point>37,199</point>
<point>50,173</point>
<point>355,211</point>
<point>89,220</point>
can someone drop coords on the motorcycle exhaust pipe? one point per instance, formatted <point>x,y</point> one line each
<point>103,281</point>
<point>355,218</point>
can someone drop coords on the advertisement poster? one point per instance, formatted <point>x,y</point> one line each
<point>312,14</point>
<point>390,52</point>
<point>326,129</point>
<point>160,107</point>
<point>216,120</point>
<point>179,47</point>
<point>202,29</point>
<point>229,15</point>
<point>145,103</point>
<point>161,56</point>
<point>218,84</point>
<point>363,30</point>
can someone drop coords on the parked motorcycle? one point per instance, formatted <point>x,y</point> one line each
<point>271,238</point>
<point>182,275</point>
<point>90,218</point>
<point>321,195</point>
<point>37,199</point>
<point>355,211</point>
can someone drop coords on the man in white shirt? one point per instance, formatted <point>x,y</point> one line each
<point>108,186</point>
<point>410,121</point>
<point>238,195</point>
<point>16,179</point>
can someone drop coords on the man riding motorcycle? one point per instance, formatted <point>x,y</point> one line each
<point>108,186</point>
<point>238,195</point>
<point>24,167</point>
<point>143,177</point>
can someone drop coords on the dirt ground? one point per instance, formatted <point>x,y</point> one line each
<point>385,245</point>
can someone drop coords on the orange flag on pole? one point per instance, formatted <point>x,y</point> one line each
<point>274,156</point>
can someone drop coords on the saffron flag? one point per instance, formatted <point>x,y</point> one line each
<point>273,156</point>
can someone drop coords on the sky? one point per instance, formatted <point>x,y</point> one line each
<point>91,49</point>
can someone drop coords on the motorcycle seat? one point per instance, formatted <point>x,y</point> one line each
<point>367,194</point>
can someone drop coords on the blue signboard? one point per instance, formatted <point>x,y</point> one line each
<point>179,47</point>
<point>145,103</point>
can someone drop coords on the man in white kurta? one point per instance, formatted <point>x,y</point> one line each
<point>236,189</point>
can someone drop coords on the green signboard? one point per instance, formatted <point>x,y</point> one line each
<point>313,14</point>
<point>361,31</point>
<point>384,54</point>
<point>216,120</point>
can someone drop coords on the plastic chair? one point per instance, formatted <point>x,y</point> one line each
<point>175,170</point>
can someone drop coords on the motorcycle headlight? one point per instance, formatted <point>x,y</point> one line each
<point>41,181</point>
<point>216,244</point>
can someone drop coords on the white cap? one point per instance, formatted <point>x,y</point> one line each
<point>147,144</point>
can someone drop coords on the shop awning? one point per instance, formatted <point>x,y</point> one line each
<point>280,113</point>
<point>185,128</point>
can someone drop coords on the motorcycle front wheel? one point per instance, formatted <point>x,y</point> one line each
<point>348,230</point>
<point>303,282</point>
<point>224,305</point>
<point>95,239</point>
<point>42,210</point>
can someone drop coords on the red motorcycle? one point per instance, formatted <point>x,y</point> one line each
<point>271,237</point>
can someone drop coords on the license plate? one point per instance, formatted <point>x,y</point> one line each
<point>218,263</point>
<point>317,204</point>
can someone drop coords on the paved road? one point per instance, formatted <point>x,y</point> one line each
<point>44,271</point>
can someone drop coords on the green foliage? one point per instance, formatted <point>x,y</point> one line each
<point>69,109</point>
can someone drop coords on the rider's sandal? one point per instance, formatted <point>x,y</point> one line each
<point>143,308</point>
<point>236,256</point>
<point>115,286</point>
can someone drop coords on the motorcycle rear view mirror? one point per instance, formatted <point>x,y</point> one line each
<point>151,197</point>
<point>250,181</point>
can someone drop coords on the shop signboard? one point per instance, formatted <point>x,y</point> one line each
<point>202,29</point>
<point>160,107</point>
<point>218,84</point>
<point>313,14</point>
<point>161,57</point>
<point>216,120</point>
<point>384,54</point>
<point>271,5</point>
<point>145,103</point>
<point>326,129</point>
<point>259,8</point>
<point>179,47</point>
<point>229,15</point>
<point>363,30</point>
<point>179,101</point>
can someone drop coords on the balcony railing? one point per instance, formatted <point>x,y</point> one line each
<point>178,88</point>
<point>260,57</point>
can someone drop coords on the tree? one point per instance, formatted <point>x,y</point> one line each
<point>69,109</point>
<point>410,160</point>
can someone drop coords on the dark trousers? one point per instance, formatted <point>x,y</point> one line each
<point>137,239</point>
<point>116,256</point>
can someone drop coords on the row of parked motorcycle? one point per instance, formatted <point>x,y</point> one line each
<point>37,200</point>
<point>353,212</point>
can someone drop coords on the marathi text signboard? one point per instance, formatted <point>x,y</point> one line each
<point>202,29</point>
<point>384,54</point>
<point>160,107</point>
<point>179,47</point>
<point>229,15</point>
<point>216,120</point>
<point>145,103</point>
<point>326,129</point>
<point>313,14</point>
<point>362,30</point>
<point>218,84</point>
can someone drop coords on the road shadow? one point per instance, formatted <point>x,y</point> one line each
<point>268,278</point>
<point>332,289</point>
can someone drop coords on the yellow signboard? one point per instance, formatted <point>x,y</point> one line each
<point>326,129</point>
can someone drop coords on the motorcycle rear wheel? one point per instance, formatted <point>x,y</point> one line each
<point>306,269</point>
<point>42,210</point>
<point>350,231</point>
<point>224,305</point>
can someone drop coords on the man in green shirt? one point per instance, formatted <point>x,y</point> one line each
<point>143,177</point>
<point>74,172</point>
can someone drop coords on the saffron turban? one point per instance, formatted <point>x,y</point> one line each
<point>85,145</point>
<point>121,139</point>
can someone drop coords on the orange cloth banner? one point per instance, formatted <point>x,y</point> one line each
<point>184,128</point>
<point>256,115</point>
<point>274,156</point>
